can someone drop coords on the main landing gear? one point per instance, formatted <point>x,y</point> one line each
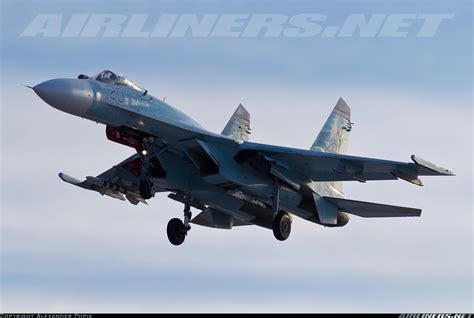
<point>177,229</point>
<point>282,226</point>
<point>146,185</point>
<point>281,219</point>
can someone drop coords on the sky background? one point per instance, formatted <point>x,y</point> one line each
<point>64,249</point>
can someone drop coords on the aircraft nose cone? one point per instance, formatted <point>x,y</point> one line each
<point>69,95</point>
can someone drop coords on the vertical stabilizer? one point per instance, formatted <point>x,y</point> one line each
<point>238,126</point>
<point>334,135</point>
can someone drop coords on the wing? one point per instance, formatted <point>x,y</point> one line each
<point>322,166</point>
<point>372,210</point>
<point>119,182</point>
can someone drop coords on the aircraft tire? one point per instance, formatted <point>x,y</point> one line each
<point>282,226</point>
<point>176,231</point>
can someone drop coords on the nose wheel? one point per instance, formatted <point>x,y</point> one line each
<point>177,229</point>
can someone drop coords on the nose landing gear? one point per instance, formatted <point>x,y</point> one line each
<point>146,186</point>
<point>146,189</point>
<point>177,229</point>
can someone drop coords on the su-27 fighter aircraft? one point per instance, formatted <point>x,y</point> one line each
<point>232,181</point>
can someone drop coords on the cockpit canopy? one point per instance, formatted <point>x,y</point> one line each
<point>112,78</point>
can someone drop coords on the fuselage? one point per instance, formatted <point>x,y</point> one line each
<point>199,164</point>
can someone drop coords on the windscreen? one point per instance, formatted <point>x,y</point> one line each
<point>112,78</point>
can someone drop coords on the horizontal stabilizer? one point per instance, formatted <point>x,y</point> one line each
<point>372,210</point>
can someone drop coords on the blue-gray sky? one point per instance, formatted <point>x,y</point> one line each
<point>65,249</point>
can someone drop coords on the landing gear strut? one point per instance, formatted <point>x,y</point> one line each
<point>281,220</point>
<point>146,186</point>
<point>145,189</point>
<point>177,229</point>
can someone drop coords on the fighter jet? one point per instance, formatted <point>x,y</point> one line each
<point>231,181</point>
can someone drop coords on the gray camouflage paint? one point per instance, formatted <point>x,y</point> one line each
<point>225,173</point>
